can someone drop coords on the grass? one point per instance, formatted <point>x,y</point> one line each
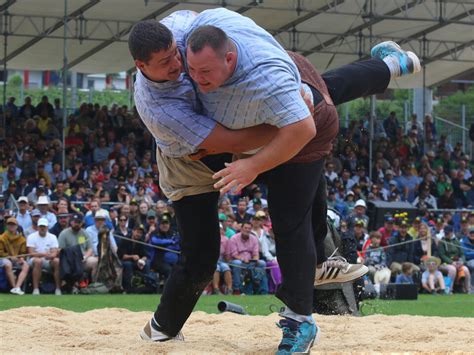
<point>426,305</point>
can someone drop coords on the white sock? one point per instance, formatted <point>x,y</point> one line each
<point>288,313</point>
<point>393,65</point>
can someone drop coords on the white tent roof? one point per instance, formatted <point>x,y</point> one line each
<point>329,32</point>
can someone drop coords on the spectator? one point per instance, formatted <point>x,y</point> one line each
<point>244,253</point>
<point>387,231</point>
<point>468,244</point>
<point>241,214</point>
<point>391,125</point>
<point>43,207</point>
<point>44,107</point>
<point>453,259</point>
<point>409,183</point>
<point>133,256</point>
<point>360,236</point>
<point>93,232</point>
<point>398,253</point>
<point>27,110</point>
<point>35,216</point>
<point>62,223</point>
<point>76,235</point>
<point>432,280</point>
<point>422,244</point>
<point>23,215</point>
<point>358,214</point>
<point>406,276</point>
<point>254,206</point>
<point>425,200</point>
<point>44,255</point>
<point>223,268</point>
<point>375,260</point>
<point>164,259</point>
<point>12,251</point>
<point>224,219</point>
<point>267,247</point>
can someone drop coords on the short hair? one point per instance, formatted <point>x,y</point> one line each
<point>210,36</point>
<point>407,268</point>
<point>375,234</point>
<point>147,37</point>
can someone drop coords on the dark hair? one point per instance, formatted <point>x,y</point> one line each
<point>210,36</point>
<point>147,37</point>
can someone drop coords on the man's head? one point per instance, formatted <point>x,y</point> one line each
<point>99,219</point>
<point>211,57</point>
<point>23,203</point>
<point>76,223</point>
<point>12,225</point>
<point>448,232</point>
<point>42,226</point>
<point>138,231</point>
<point>165,224</point>
<point>242,205</point>
<point>154,50</point>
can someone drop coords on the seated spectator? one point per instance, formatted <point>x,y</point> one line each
<point>223,268</point>
<point>425,200</point>
<point>254,206</point>
<point>133,256</point>
<point>406,276</point>
<point>44,255</point>
<point>468,244</point>
<point>397,253</point>
<point>453,259</point>
<point>387,231</point>
<point>12,249</point>
<point>375,260</point>
<point>35,216</point>
<point>63,222</point>
<point>447,200</point>
<point>224,219</point>
<point>360,236</point>
<point>432,280</point>
<point>359,213</point>
<point>76,235</point>
<point>164,237</point>
<point>94,207</point>
<point>43,207</point>
<point>422,244</point>
<point>268,254</point>
<point>241,214</point>
<point>244,253</point>
<point>93,232</point>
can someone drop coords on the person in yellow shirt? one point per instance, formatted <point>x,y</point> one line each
<point>12,247</point>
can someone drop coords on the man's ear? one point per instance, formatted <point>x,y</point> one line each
<point>231,57</point>
<point>139,64</point>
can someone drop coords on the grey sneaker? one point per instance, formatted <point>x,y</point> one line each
<point>152,332</point>
<point>336,269</point>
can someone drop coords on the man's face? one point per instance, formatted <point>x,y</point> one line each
<point>12,227</point>
<point>360,210</point>
<point>63,221</point>
<point>76,226</point>
<point>42,230</point>
<point>164,227</point>
<point>43,208</point>
<point>163,65</point>
<point>245,231</point>
<point>242,206</point>
<point>94,206</point>
<point>99,222</point>
<point>23,205</point>
<point>137,234</point>
<point>210,69</point>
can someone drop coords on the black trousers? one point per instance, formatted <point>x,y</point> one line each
<point>297,204</point>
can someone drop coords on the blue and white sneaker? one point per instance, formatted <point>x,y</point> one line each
<point>407,62</point>
<point>298,337</point>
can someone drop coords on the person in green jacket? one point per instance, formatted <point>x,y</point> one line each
<point>452,256</point>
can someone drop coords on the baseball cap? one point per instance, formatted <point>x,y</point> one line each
<point>389,219</point>
<point>140,226</point>
<point>257,201</point>
<point>389,172</point>
<point>222,217</point>
<point>23,199</point>
<point>100,214</point>
<point>165,219</point>
<point>43,222</point>
<point>260,214</point>
<point>448,229</point>
<point>392,182</point>
<point>359,222</point>
<point>76,217</point>
<point>151,214</point>
<point>360,202</point>
<point>403,223</point>
<point>12,220</point>
<point>351,193</point>
<point>35,212</point>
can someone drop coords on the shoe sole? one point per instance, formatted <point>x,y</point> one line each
<point>353,276</point>
<point>416,62</point>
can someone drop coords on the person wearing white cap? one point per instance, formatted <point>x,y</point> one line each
<point>23,215</point>
<point>43,206</point>
<point>44,250</point>
<point>93,231</point>
<point>358,213</point>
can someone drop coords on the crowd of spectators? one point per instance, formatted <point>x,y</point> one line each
<point>107,193</point>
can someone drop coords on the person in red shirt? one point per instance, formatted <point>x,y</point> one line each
<point>387,230</point>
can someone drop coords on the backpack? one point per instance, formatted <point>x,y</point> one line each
<point>94,288</point>
<point>254,281</point>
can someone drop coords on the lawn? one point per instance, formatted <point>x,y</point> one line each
<point>426,305</point>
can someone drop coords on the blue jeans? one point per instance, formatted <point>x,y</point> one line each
<point>237,271</point>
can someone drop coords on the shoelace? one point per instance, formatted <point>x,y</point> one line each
<point>337,261</point>
<point>289,337</point>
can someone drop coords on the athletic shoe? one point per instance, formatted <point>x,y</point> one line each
<point>153,332</point>
<point>58,292</point>
<point>298,337</point>
<point>17,291</point>
<point>408,62</point>
<point>36,292</point>
<point>336,269</point>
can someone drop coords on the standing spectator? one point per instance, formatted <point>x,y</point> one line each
<point>243,249</point>
<point>27,110</point>
<point>45,106</point>
<point>43,207</point>
<point>76,235</point>
<point>44,255</point>
<point>375,259</point>
<point>133,256</point>
<point>23,215</point>
<point>468,244</point>
<point>391,125</point>
<point>12,247</point>
<point>453,259</point>
<point>222,268</point>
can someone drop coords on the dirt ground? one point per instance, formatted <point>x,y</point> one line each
<point>51,330</point>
